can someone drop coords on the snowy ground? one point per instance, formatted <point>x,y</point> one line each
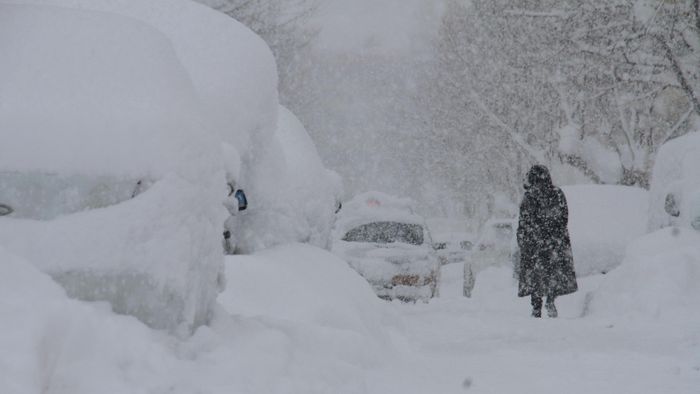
<point>489,344</point>
<point>295,319</point>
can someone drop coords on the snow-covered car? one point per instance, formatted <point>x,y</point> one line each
<point>386,242</point>
<point>675,184</point>
<point>452,247</point>
<point>295,199</point>
<point>110,181</point>
<point>494,244</point>
<point>493,248</point>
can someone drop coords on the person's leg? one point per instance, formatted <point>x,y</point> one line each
<point>551,308</point>
<point>536,302</point>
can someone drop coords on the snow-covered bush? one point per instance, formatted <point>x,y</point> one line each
<point>603,219</point>
<point>97,109</point>
<point>295,196</point>
<point>675,183</point>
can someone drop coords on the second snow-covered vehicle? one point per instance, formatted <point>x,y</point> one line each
<point>675,184</point>
<point>382,238</point>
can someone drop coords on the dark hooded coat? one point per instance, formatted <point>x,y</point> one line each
<point>546,263</point>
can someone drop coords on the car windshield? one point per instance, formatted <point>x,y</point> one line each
<point>386,232</point>
<point>44,196</point>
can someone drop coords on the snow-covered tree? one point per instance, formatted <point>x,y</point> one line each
<point>631,80</point>
<point>592,85</point>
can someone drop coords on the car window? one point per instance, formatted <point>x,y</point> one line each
<point>386,232</point>
<point>44,196</point>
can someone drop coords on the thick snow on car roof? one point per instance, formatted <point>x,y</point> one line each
<point>376,206</point>
<point>75,101</point>
<point>231,68</point>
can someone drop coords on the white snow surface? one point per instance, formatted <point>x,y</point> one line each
<point>677,170</point>
<point>94,94</point>
<point>75,100</point>
<point>286,282</point>
<point>603,220</point>
<point>231,69</point>
<point>658,279</point>
<point>297,320</point>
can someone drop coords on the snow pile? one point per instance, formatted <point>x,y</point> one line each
<point>307,285</point>
<point>303,323</point>
<point>658,279</point>
<point>103,99</point>
<point>603,219</point>
<point>50,342</point>
<point>295,196</point>
<point>677,172</point>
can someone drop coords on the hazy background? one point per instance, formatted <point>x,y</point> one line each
<point>449,102</point>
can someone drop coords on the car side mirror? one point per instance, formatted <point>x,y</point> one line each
<point>242,200</point>
<point>696,223</point>
<point>439,246</point>
<point>466,245</point>
<point>671,205</point>
<point>5,210</point>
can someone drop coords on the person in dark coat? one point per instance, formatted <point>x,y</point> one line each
<point>546,262</point>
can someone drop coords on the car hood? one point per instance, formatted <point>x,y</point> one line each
<point>381,262</point>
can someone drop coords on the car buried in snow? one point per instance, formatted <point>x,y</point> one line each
<point>675,184</point>
<point>494,247</point>
<point>382,238</point>
<point>109,181</point>
<point>452,248</point>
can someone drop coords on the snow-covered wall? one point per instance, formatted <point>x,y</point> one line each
<point>104,98</point>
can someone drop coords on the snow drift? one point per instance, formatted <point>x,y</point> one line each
<point>97,109</point>
<point>658,280</point>
<point>295,320</point>
<point>603,219</point>
<point>287,282</point>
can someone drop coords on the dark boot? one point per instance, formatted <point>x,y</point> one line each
<point>551,308</point>
<point>536,306</point>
